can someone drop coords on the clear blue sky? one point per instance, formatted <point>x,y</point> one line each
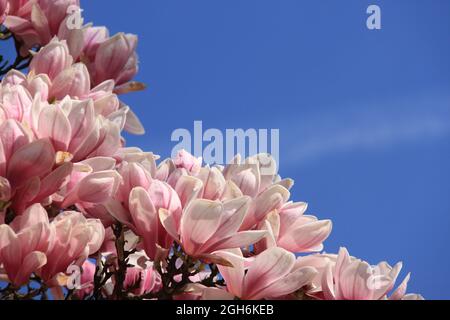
<point>364,116</point>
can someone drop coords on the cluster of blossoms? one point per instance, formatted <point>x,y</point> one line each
<point>82,216</point>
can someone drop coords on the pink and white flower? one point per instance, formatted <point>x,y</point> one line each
<point>271,274</point>
<point>24,243</point>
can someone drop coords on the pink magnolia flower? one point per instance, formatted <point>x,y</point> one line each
<point>254,174</point>
<point>73,81</point>
<point>256,178</point>
<point>101,117</point>
<point>93,38</point>
<point>116,205</point>
<point>141,214</point>
<point>108,58</point>
<point>116,59</point>
<point>86,280</point>
<point>270,274</point>
<point>23,244</point>
<point>54,76</point>
<point>319,262</point>
<point>13,77</point>
<point>74,34</point>
<point>133,154</point>
<point>75,239</point>
<point>207,226</point>
<point>36,22</point>
<point>15,102</point>
<point>52,59</point>
<point>187,161</point>
<point>133,175</point>
<point>32,85</point>
<point>76,129</point>
<point>290,229</point>
<point>49,15</point>
<point>91,188</point>
<point>271,199</point>
<point>213,183</point>
<point>30,167</point>
<point>348,278</point>
<point>207,183</point>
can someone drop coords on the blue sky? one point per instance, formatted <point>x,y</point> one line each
<point>363,115</point>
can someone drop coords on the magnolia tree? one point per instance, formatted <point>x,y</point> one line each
<point>83,216</point>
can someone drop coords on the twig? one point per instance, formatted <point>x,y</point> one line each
<point>122,261</point>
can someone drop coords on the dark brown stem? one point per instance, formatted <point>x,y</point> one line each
<point>171,287</point>
<point>209,282</point>
<point>101,277</point>
<point>122,261</point>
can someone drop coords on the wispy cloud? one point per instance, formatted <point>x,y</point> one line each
<point>367,127</point>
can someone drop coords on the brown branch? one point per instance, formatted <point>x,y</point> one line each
<point>122,261</point>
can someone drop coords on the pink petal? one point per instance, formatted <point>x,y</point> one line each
<point>54,124</point>
<point>199,222</point>
<point>145,219</point>
<point>400,292</point>
<point>289,284</point>
<point>268,267</point>
<point>233,276</point>
<point>187,189</point>
<point>40,23</point>
<point>239,240</point>
<point>32,160</point>
<point>306,238</point>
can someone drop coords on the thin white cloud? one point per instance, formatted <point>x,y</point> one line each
<point>373,127</point>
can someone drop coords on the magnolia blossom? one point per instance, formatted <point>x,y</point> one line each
<point>255,177</point>
<point>24,244</point>
<point>76,129</point>
<point>36,22</point>
<point>187,161</point>
<point>271,274</point>
<point>75,239</point>
<point>86,279</point>
<point>62,76</point>
<point>15,101</point>
<point>207,226</point>
<point>290,229</point>
<point>141,214</point>
<point>29,169</point>
<point>90,187</point>
<point>342,277</point>
<point>31,244</point>
<point>116,59</point>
